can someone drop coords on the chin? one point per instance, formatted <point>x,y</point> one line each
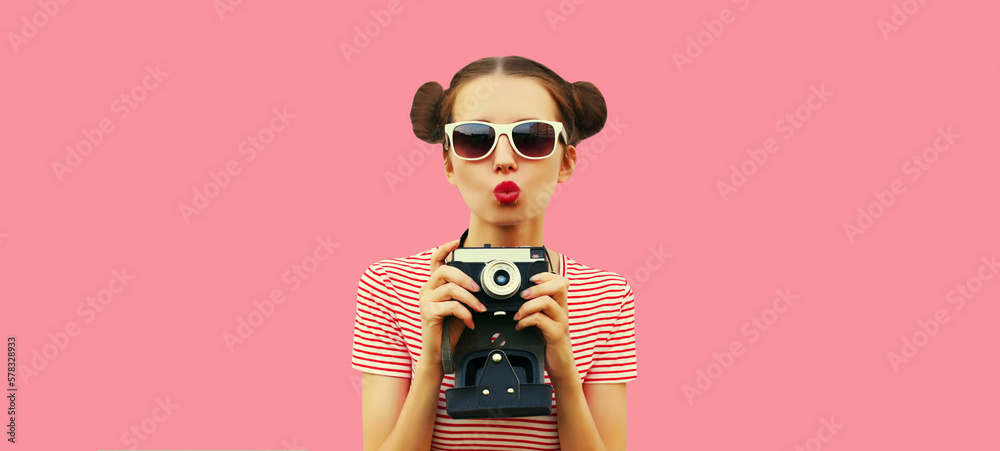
<point>503,215</point>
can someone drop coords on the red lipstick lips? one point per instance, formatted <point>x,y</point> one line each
<point>506,192</point>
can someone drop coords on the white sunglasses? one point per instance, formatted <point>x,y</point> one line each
<point>532,139</point>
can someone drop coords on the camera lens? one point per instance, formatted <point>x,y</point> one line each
<point>500,279</point>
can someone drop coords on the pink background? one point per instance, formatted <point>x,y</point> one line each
<point>653,185</point>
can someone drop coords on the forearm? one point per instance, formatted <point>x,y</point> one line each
<point>415,425</point>
<point>577,429</point>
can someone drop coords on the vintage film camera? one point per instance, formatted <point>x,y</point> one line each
<point>499,371</point>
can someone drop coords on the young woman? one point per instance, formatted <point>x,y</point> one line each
<point>526,122</point>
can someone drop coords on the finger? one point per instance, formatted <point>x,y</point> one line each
<point>441,272</point>
<point>452,308</point>
<point>546,276</point>
<point>455,275</point>
<point>439,254</point>
<point>539,320</point>
<point>451,291</point>
<point>545,305</point>
<point>550,284</point>
<point>446,274</point>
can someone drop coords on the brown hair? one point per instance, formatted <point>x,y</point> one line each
<point>581,105</point>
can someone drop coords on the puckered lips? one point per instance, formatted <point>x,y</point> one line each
<point>506,192</point>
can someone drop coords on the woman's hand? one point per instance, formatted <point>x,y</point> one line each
<point>446,293</point>
<point>546,309</point>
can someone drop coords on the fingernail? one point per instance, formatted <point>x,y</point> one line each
<point>475,286</point>
<point>482,308</point>
<point>526,293</point>
<point>517,316</point>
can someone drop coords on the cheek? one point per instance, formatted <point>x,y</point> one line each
<point>466,179</point>
<point>543,185</point>
<point>470,185</point>
<point>547,176</point>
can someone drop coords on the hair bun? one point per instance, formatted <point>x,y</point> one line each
<point>591,110</point>
<point>425,114</point>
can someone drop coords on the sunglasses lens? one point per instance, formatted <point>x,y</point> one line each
<point>535,139</point>
<point>473,140</point>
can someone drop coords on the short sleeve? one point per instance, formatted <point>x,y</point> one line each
<point>615,359</point>
<point>379,347</point>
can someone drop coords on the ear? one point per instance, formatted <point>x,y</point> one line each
<point>568,164</point>
<point>449,170</point>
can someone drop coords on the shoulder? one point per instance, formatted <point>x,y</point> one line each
<point>393,284</point>
<point>411,267</point>
<point>591,282</point>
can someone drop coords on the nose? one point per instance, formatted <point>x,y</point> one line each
<point>503,155</point>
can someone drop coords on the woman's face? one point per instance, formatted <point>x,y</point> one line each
<point>503,100</point>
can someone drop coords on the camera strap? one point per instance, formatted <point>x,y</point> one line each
<point>447,359</point>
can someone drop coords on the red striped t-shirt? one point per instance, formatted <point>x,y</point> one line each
<point>387,341</point>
